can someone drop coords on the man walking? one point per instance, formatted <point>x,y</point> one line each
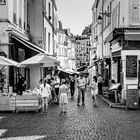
<point>100,84</point>
<point>81,89</point>
<point>72,86</point>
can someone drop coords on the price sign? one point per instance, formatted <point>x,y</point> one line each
<point>131,66</point>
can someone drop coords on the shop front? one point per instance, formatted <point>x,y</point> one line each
<point>125,66</point>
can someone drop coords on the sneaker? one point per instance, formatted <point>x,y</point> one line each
<point>42,112</point>
<point>78,104</point>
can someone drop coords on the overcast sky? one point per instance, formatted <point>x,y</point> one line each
<point>75,14</point>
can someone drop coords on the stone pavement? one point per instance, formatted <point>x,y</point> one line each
<point>80,123</point>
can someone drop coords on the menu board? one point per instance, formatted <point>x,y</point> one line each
<point>131,66</point>
<point>132,98</point>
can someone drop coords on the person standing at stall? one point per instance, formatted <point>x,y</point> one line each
<point>21,84</point>
<point>45,94</point>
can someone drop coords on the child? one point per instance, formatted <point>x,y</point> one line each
<point>45,94</point>
<point>94,90</point>
<point>63,92</point>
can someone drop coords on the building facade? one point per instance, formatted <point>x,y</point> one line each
<point>26,29</point>
<point>116,40</point>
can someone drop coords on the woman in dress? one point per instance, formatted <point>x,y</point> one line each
<point>63,93</point>
<point>94,90</point>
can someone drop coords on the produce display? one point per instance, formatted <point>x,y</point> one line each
<point>29,101</point>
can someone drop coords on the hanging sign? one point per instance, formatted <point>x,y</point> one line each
<point>2,2</point>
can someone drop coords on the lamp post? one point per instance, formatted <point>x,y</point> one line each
<point>100,21</point>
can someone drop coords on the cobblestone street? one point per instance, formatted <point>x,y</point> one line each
<point>80,123</point>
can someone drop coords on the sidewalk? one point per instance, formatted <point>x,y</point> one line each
<point>113,105</point>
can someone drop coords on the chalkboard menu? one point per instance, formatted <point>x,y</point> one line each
<point>131,66</point>
<point>132,98</point>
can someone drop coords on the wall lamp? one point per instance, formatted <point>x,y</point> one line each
<point>103,14</point>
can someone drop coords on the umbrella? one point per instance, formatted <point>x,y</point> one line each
<point>41,58</point>
<point>8,62</point>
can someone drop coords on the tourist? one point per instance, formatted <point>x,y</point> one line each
<point>72,86</point>
<point>45,94</point>
<point>100,84</point>
<point>81,89</point>
<point>63,94</point>
<point>94,90</point>
<point>56,86</point>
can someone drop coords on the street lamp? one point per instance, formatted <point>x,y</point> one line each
<point>100,21</point>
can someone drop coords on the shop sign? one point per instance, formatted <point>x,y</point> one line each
<point>2,2</point>
<point>131,66</point>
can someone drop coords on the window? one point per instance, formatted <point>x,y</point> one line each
<point>49,42</point>
<point>44,38</point>
<point>49,8</point>
<point>15,11</point>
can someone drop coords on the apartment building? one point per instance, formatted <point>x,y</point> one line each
<point>116,39</point>
<point>27,27</point>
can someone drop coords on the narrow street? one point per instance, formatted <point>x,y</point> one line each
<point>80,123</point>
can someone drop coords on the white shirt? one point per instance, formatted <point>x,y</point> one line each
<point>46,91</point>
<point>82,82</point>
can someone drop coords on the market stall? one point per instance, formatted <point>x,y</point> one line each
<point>36,65</point>
<point>28,101</point>
<point>7,98</point>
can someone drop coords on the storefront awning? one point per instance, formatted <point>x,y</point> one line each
<point>29,45</point>
<point>132,36</point>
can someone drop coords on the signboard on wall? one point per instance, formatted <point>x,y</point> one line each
<point>131,66</point>
<point>2,2</point>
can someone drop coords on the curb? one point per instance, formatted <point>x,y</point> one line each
<point>110,104</point>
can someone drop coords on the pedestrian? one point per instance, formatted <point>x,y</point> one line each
<point>56,86</point>
<point>52,91</point>
<point>94,90</point>
<point>100,84</point>
<point>45,94</point>
<point>72,86</point>
<point>63,94</point>
<point>81,89</point>
<point>76,84</point>
<point>21,84</point>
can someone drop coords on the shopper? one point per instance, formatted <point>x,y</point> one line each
<point>81,89</point>
<point>63,94</point>
<point>72,86</point>
<point>100,84</point>
<point>45,94</point>
<point>20,84</point>
<point>76,84</point>
<point>94,90</point>
<point>56,86</point>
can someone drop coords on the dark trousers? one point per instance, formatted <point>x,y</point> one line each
<point>81,92</point>
<point>100,88</point>
<point>72,90</point>
<point>56,93</point>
